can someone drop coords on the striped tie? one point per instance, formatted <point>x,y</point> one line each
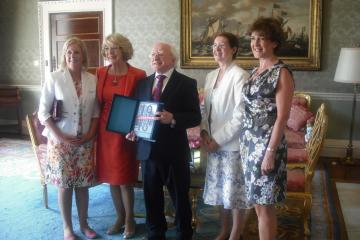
<point>158,87</point>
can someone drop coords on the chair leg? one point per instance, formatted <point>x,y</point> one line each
<point>307,215</point>
<point>45,196</point>
<point>194,198</point>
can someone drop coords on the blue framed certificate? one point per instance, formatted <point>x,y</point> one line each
<point>129,114</point>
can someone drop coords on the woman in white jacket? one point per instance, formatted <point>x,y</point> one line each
<point>224,184</point>
<point>70,158</point>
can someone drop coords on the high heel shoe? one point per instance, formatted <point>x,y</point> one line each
<point>70,237</point>
<point>114,229</point>
<point>129,233</point>
<point>89,233</point>
<point>241,237</point>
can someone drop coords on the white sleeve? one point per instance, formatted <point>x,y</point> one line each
<point>46,99</point>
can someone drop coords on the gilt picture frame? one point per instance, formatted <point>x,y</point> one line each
<point>202,19</point>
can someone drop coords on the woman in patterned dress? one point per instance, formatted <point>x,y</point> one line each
<point>224,184</point>
<point>70,156</point>
<point>267,97</point>
<point>116,163</point>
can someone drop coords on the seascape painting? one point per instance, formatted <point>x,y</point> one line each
<point>300,19</point>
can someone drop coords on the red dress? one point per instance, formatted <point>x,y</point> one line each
<point>115,156</point>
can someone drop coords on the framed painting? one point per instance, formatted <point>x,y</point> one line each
<point>202,19</point>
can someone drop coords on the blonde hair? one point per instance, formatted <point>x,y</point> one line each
<point>122,42</point>
<point>81,44</point>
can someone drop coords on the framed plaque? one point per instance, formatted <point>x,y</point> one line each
<point>129,114</point>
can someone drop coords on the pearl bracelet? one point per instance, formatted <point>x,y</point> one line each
<point>270,149</point>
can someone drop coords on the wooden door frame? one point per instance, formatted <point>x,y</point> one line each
<point>46,8</point>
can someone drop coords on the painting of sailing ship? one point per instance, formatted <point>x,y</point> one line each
<point>209,17</point>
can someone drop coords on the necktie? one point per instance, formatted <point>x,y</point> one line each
<point>158,87</point>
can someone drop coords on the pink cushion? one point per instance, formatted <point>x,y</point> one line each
<point>295,139</point>
<point>295,180</point>
<point>298,117</point>
<point>296,155</point>
<point>297,100</point>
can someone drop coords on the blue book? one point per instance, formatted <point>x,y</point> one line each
<point>129,114</point>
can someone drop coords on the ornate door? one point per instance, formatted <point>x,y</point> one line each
<point>84,25</point>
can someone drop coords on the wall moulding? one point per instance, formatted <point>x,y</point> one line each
<point>45,8</point>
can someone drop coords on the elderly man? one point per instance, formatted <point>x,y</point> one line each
<point>166,161</point>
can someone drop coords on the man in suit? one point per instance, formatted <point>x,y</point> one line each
<point>165,162</point>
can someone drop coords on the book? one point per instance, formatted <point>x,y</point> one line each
<point>128,114</point>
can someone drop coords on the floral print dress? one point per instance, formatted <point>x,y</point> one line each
<point>224,182</point>
<point>68,165</point>
<point>258,122</point>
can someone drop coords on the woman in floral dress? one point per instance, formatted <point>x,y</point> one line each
<point>267,97</point>
<point>70,156</point>
<point>224,184</point>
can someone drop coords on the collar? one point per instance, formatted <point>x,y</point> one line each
<point>167,74</point>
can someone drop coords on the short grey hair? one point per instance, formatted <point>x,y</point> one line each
<point>174,53</point>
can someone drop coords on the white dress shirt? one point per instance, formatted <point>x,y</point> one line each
<point>165,81</point>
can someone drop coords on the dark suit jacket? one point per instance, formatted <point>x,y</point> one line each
<point>180,97</point>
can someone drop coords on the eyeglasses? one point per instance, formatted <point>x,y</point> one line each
<point>221,46</point>
<point>108,49</point>
<point>156,54</point>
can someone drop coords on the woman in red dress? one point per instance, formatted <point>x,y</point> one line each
<point>116,163</point>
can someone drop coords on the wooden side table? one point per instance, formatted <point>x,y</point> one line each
<point>347,172</point>
<point>10,98</point>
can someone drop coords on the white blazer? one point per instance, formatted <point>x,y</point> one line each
<point>226,107</point>
<point>60,86</point>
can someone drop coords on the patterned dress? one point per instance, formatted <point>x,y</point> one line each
<point>224,184</point>
<point>258,123</point>
<point>68,165</point>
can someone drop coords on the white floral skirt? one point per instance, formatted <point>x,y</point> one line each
<point>224,183</point>
<point>70,166</point>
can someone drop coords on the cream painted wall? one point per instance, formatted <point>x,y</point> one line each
<point>148,21</point>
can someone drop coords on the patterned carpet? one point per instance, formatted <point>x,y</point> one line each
<point>22,215</point>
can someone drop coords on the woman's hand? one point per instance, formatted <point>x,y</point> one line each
<point>131,136</point>
<point>213,146</point>
<point>81,140</point>
<point>65,138</point>
<point>268,163</point>
<point>205,139</point>
<point>207,142</point>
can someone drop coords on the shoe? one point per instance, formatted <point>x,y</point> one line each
<point>70,237</point>
<point>130,233</point>
<point>89,233</point>
<point>114,229</point>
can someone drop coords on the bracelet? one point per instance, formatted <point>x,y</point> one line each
<point>270,149</point>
